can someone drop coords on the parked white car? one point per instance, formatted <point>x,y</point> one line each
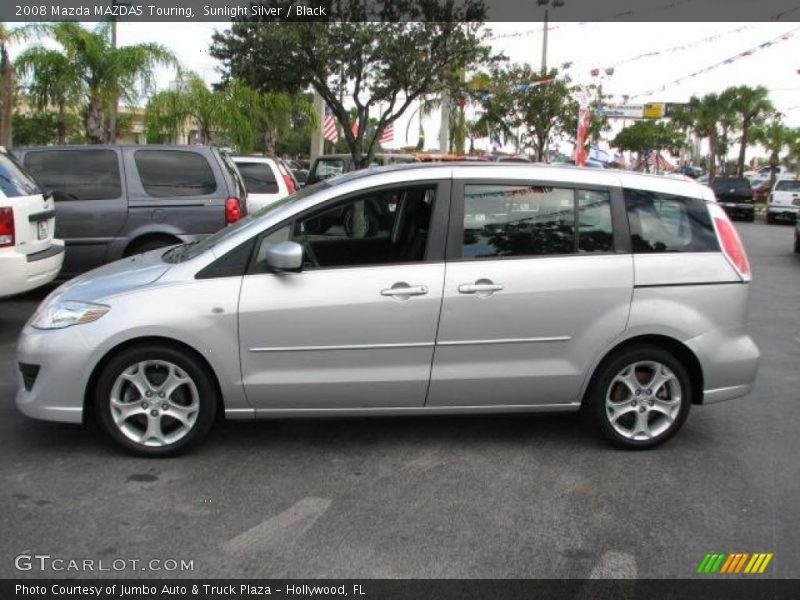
<point>267,180</point>
<point>784,200</point>
<point>29,256</point>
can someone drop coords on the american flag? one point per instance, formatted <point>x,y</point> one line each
<point>329,129</point>
<point>388,134</point>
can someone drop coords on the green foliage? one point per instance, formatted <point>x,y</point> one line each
<point>106,74</point>
<point>645,136</point>
<point>37,129</point>
<point>389,63</point>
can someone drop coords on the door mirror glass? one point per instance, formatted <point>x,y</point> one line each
<point>285,256</point>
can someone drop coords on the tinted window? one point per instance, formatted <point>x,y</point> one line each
<point>738,185</point>
<point>788,185</point>
<point>595,232</point>
<point>381,227</point>
<point>166,173</point>
<point>507,220</point>
<point>13,180</point>
<point>258,177</point>
<point>667,223</point>
<point>77,174</point>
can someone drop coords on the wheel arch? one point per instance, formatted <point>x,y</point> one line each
<point>144,238</point>
<point>681,351</point>
<point>88,404</point>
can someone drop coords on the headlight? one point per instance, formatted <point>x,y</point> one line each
<point>58,314</point>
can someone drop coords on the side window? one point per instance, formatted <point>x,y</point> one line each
<point>258,177</point>
<point>381,227</point>
<point>533,220</point>
<point>76,174</point>
<point>170,173</point>
<point>14,181</point>
<point>329,168</point>
<point>667,223</point>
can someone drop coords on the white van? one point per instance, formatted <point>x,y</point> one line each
<point>29,256</point>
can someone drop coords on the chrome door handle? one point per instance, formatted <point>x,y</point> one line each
<point>403,289</point>
<point>479,287</point>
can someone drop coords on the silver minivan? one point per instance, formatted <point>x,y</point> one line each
<point>447,289</point>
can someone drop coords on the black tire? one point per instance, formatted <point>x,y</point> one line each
<point>796,244</point>
<point>751,217</point>
<point>207,400</point>
<point>602,384</point>
<point>770,219</point>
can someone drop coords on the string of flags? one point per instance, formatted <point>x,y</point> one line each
<point>747,53</point>
<point>679,48</point>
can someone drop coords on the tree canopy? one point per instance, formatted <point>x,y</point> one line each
<point>380,67</point>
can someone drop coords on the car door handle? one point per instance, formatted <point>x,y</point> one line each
<point>480,287</point>
<point>403,289</point>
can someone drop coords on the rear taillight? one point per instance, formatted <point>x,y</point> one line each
<point>730,242</point>
<point>233,211</point>
<point>6,227</point>
<point>287,179</point>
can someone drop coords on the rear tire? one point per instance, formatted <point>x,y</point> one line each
<point>796,244</point>
<point>770,219</point>
<point>640,397</point>
<point>155,400</point>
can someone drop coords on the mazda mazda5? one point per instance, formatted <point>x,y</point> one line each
<point>449,289</point>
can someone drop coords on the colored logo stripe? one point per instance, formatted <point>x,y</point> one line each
<point>736,562</point>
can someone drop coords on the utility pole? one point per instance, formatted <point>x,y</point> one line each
<point>317,140</point>
<point>546,4</point>
<point>112,120</point>
<point>444,128</point>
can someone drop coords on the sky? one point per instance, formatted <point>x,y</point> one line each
<point>587,46</point>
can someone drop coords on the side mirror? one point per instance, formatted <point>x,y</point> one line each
<point>285,256</point>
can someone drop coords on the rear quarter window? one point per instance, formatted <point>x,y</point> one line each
<point>14,181</point>
<point>258,177</point>
<point>668,223</point>
<point>174,173</point>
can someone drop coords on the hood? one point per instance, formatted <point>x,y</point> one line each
<point>115,278</point>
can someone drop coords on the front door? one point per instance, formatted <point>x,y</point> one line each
<point>356,327</point>
<point>535,288</point>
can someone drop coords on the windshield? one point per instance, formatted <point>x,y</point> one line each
<point>188,251</point>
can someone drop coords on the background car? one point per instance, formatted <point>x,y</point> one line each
<point>735,195</point>
<point>29,255</point>
<point>784,200</point>
<point>266,178</point>
<point>115,200</point>
<point>330,165</point>
<point>299,171</point>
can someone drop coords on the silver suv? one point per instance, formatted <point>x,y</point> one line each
<point>412,290</point>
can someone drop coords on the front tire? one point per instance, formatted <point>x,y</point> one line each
<point>641,397</point>
<point>770,219</point>
<point>155,400</point>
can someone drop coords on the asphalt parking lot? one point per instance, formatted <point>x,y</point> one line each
<point>534,496</point>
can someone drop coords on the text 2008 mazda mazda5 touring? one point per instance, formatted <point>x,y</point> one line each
<point>412,290</point>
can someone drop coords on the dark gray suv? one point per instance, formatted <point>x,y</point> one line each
<point>113,201</point>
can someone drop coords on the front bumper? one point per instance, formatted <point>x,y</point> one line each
<point>62,356</point>
<point>24,272</point>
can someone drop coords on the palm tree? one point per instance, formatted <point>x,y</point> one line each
<point>752,105</point>
<point>775,137</point>
<point>210,111</point>
<point>52,80</point>
<point>267,114</point>
<point>9,37</point>
<point>108,73</point>
<point>701,116</point>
